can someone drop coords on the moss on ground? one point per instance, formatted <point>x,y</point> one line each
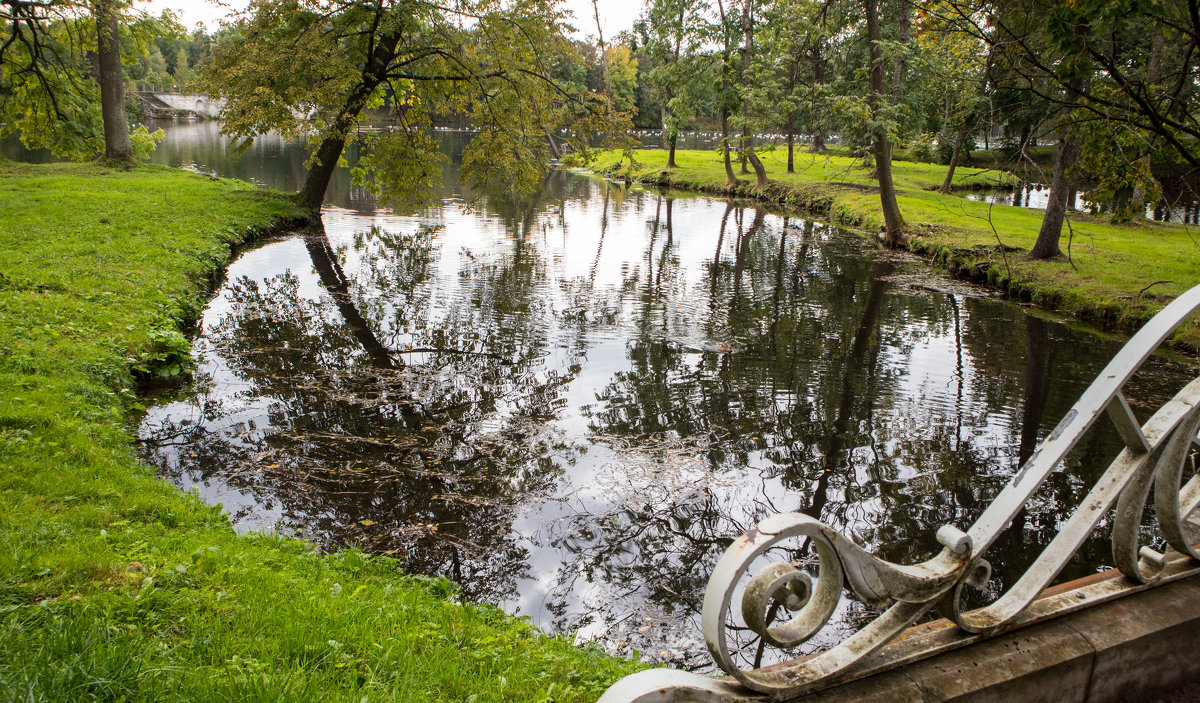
<point>114,585</point>
<point>1116,275</point>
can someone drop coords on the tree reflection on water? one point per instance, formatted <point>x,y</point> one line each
<point>570,405</point>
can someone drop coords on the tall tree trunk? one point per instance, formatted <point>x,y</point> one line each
<point>603,50</point>
<point>899,63</point>
<point>667,136</point>
<point>117,148</point>
<point>893,227</point>
<point>731,179</point>
<point>818,125</point>
<point>791,142</point>
<point>760,173</point>
<point>1137,203</point>
<point>1046,246</point>
<point>671,151</point>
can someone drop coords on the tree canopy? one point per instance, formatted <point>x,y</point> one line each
<point>50,78</point>
<point>498,66</point>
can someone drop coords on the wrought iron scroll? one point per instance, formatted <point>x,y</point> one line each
<point>1152,462</point>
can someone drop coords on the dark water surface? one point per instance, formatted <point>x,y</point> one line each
<point>570,406</point>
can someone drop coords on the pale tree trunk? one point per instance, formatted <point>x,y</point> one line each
<point>117,148</point>
<point>893,229</point>
<point>818,131</point>
<point>730,177</point>
<point>760,172</point>
<point>603,51</point>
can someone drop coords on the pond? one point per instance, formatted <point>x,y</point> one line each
<point>1178,207</point>
<point>571,405</point>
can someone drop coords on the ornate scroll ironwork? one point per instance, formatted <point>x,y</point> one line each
<point>1152,461</point>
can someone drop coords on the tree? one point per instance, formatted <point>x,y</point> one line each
<point>622,77</point>
<point>954,68</point>
<point>748,102</point>
<point>117,147</point>
<point>1090,60</point>
<point>674,36</point>
<point>183,73</point>
<point>893,229</point>
<point>491,66</point>
<point>50,90</point>
<point>725,31</point>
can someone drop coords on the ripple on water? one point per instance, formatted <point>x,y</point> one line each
<point>571,406</point>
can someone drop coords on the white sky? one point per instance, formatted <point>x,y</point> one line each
<point>615,15</point>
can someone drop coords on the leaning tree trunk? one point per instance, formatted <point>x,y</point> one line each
<point>893,223</point>
<point>1046,246</point>
<point>312,193</point>
<point>117,148</point>
<point>958,145</point>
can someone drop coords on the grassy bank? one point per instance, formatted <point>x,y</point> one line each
<point>1116,275</point>
<point>116,586</point>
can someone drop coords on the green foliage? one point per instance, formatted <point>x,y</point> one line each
<point>921,148</point>
<point>411,158</point>
<point>47,91</point>
<point>144,141</point>
<point>493,65</point>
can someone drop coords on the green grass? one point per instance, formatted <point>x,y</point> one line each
<point>116,586</point>
<point>1112,276</point>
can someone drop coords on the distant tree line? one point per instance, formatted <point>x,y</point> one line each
<point>1114,86</point>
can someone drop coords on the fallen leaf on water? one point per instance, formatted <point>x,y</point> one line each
<point>367,523</point>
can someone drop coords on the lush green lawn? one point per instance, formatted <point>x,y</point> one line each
<point>1103,280</point>
<point>113,584</point>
